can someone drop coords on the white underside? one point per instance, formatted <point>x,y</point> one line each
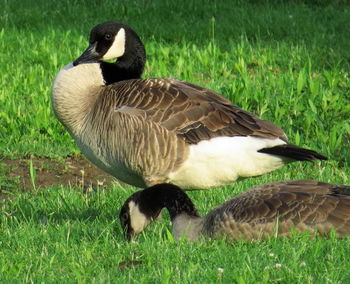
<point>222,160</point>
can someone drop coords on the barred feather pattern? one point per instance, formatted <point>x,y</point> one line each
<point>281,207</point>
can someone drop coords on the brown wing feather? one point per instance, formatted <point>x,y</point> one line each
<point>193,112</point>
<point>302,205</point>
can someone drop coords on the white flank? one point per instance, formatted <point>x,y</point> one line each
<point>137,219</point>
<point>222,160</point>
<point>117,48</point>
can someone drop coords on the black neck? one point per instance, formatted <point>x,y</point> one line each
<point>155,198</point>
<point>130,65</point>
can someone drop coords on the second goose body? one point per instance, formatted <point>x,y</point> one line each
<point>150,131</point>
<point>267,210</point>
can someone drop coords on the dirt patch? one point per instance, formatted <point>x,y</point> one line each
<point>72,171</point>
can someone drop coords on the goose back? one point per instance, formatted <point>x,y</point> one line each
<point>281,207</point>
<point>192,112</point>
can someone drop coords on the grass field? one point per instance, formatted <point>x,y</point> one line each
<point>287,61</point>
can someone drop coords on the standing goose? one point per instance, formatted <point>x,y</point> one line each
<point>150,131</point>
<point>261,212</point>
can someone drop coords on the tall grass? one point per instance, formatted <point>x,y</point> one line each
<point>286,61</point>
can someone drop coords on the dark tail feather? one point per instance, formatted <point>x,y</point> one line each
<point>293,152</point>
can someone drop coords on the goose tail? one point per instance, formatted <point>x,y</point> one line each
<point>293,152</point>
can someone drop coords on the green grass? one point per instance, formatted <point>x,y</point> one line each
<point>287,62</point>
<point>284,62</point>
<point>62,235</point>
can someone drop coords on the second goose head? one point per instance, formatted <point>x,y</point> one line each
<point>113,40</point>
<point>145,205</point>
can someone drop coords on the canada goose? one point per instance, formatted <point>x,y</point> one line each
<point>263,211</point>
<point>150,131</point>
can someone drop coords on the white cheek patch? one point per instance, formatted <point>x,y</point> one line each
<point>138,221</point>
<point>117,48</point>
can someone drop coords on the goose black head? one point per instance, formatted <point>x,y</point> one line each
<point>111,40</point>
<point>144,206</point>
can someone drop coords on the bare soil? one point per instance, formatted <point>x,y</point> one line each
<point>71,171</point>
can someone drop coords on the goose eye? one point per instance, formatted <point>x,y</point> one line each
<point>124,219</point>
<point>108,36</point>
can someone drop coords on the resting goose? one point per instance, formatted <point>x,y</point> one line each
<point>150,131</point>
<point>271,209</point>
